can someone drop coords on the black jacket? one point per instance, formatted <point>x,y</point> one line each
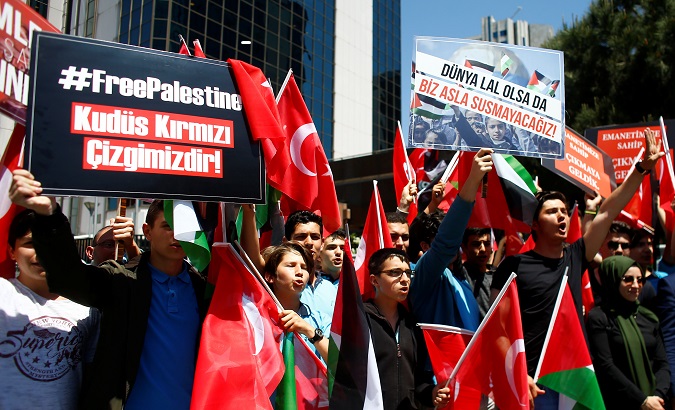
<point>405,383</point>
<point>611,366</point>
<point>121,293</point>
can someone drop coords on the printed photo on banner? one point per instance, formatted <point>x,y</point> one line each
<point>18,21</point>
<point>585,165</point>
<point>468,94</point>
<point>623,142</point>
<point>138,123</point>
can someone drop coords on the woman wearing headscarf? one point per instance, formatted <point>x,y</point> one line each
<point>625,341</point>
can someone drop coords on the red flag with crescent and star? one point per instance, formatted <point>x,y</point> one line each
<point>404,172</point>
<point>308,180</point>
<point>262,116</point>
<point>240,363</point>
<point>494,360</point>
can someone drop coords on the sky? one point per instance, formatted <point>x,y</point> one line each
<point>462,19</point>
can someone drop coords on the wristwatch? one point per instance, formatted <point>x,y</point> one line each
<point>318,335</point>
<point>638,167</point>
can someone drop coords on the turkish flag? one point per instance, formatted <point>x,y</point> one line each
<point>573,235</point>
<point>307,177</point>
<point>198,49</point>
<point>11,160</point>
<point>311,377</point>
<point>445,345</point>
<point>528,245</point>
<point>240,363</point>
<point>495,358</point>
<point>183,49</point>
<point>403,168</point>
<point>664,173</point>
<point>262,116</point>
<point>375,236</point>
<point>638,212</point>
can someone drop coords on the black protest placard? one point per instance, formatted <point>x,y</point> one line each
<point>108,119</point>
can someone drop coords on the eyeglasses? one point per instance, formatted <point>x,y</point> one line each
<point>105,244</point>
<point>395,236</point>
<point>614,245</point>
<point>628,280</point>
<point>397,273</point>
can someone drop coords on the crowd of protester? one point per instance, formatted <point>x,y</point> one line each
<point>128,333</point>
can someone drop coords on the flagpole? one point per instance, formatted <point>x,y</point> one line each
<point>408,164</point>
<point>182,40</point>
<point>480,327</point>
<point>561,292</point>
<point>283,86</point>
<point>666,149</point>
<point>451,167</point>
<point>380,238</point>
<point>445,328</point>
<point>248,263</point>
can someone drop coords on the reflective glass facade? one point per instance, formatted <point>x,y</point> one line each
<point>386,71</point>
<point>284,34</point>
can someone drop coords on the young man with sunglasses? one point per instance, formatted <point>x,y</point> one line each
<point>399,346</point>
<point>399,230</point>
<point>541,269</point>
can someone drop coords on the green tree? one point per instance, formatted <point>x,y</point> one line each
<point>618,60</point>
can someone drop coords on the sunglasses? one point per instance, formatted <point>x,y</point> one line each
<point>397,273</point>
<point>628,280</point>
<point>105,244</point>
<point>614,245</point>
<point>395,236</point>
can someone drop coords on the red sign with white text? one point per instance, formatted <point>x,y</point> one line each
<point>17,23</point>
<point>584,164</point>
<point>149,158</point>
<point>162,127</point>
<point>623,145</point>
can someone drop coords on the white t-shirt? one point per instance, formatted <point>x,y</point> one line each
<point>42,346</point>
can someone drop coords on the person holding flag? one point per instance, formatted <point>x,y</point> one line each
<point>151,310</point>
<point>436,295</point>
<point>287,270</point>
<point>625,340</point>
<point>541,269</point>
<point>399,346</point>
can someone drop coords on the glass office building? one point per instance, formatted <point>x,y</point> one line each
<point>274,35</point>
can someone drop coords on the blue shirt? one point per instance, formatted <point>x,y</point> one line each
<point>167,366</point>
<point>436,295</point>
<point>320,297</point>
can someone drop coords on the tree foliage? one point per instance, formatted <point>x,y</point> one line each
<point>618,60</point>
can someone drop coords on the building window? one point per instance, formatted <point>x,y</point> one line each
<point>90,19</point>
<point>41,6</point>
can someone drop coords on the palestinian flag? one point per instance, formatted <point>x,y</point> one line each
<point>539,82</point>
<point>506,63</point>
<point>353,378</point>
<point>511,184</point>
<point>554,86</point>
<point>181,217</point>
<point>429,107</point>
<point>518,187</point>
<point>485,69</point>
<point>565,364</point>
<point>304,385</point>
